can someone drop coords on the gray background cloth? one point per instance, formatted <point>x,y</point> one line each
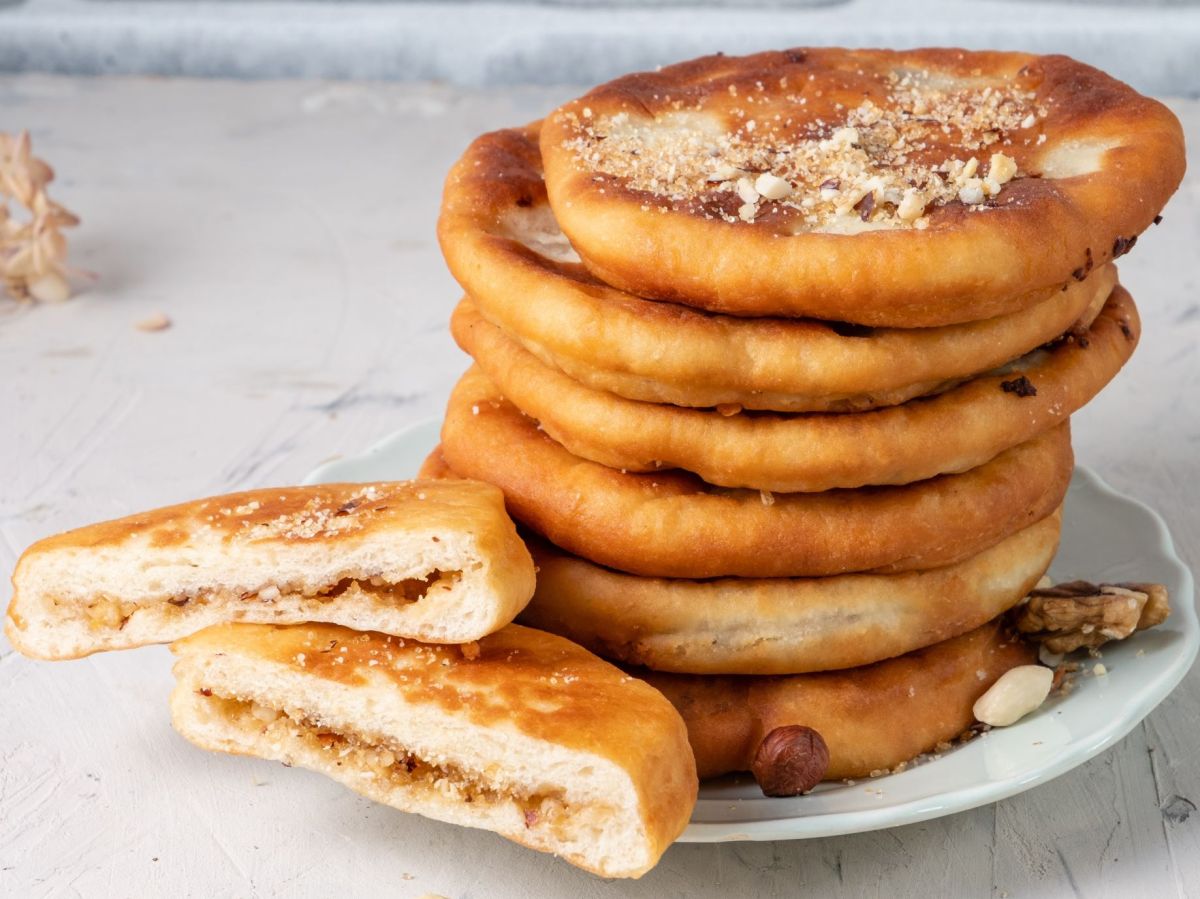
<point>1153,45</point>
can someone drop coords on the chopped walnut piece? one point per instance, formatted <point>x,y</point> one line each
<point>1078,614</point>
<point>1064,678</point>
<point>1022,387</point>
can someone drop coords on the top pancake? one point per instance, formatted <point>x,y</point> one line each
<point>923,187</point>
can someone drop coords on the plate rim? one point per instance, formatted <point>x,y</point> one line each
<point>959,799</point>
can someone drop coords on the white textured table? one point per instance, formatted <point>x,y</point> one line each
<point>287,230</point>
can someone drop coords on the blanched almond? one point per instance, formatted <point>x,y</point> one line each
<point>1018,692</point>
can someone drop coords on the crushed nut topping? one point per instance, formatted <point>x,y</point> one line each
<point>871,170</point>
<point>1021,386</point>
<point>318,519</point>
<point>1080,614</point>
<point>1064,678</point>
<point>33,251</point>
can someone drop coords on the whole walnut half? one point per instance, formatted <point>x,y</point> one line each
<point>790,760</point>
<point>1076,614</point>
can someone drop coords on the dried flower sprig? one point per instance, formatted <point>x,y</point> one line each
<point>33,251</point>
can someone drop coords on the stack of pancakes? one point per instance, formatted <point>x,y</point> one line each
<point>776,356</point>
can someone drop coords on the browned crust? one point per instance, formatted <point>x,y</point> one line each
<point>659,352</point>
<point>291,514</point>
<point>965,266</point>
<point>872,718</point>
<point>434,466</point>
<point>672,524</point>
<point>518,674</point>
<point>952,432</point>
<point>781,625</point>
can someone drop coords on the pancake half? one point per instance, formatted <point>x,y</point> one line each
<point>901,188</point>
<point>523,733</point>
<point>502,243</point>
<point>952,432</point>
<point>672,524</point>
<point>782,625</point>
<point>434,561</point>
<point>872,718</point>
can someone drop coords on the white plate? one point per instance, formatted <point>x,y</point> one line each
<point>1106,537</point>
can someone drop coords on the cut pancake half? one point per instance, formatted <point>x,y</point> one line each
<point>524,733</point>
<point>952,432</point>
<point>672,524</point>
<point>872,718</point>
<point>435,561</point>
<point>782,625</point>
<point>502,243</point>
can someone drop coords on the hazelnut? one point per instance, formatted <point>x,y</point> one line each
<point>790,760</point>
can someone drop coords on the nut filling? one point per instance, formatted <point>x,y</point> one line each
<point>110,613</point>
<point>386,761</point>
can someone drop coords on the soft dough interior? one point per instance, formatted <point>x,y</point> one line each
<point>572,804</point>
<point>437,605</point>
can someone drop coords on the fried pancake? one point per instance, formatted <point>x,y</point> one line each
<point>503,245</point>
<point>952,432</point>
<point>908,189</point>
<point>428,560</point>
<point>672,524</point>
<point>523,733</point>
<point>872,718</point>
<point>781,625</point>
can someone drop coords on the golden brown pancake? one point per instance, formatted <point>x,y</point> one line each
<point>672,524</point>
<point>781,625</point>
<point>955,431</point>
<point>872,718</point>
<point>427,560</point>
<point>901,188</point>
<point>502,243</point>
<point>522,733</point>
